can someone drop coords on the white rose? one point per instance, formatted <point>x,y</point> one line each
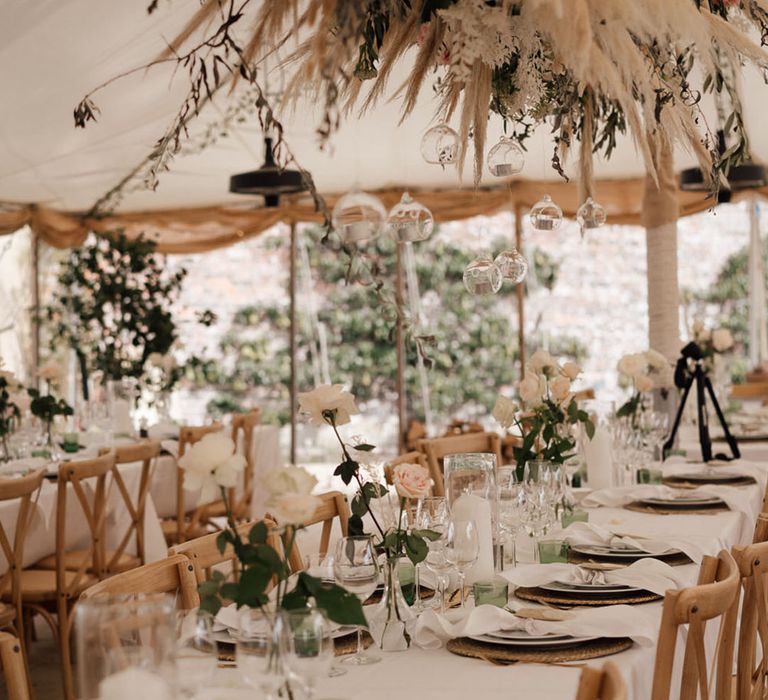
<point>570,370</point>
<point>293,509</point>
<point>560,388</point>
<point>288,479</point>
<point>411,481</point>
<point>327,397</point>
<point>722,340</point>
<point>52,372</point>
<point>504,411</point>
<point>656,360</point>
<point>530,389</point>
<point>155,359</point>
<point>643,383</point>
<point>631,365</point>
<point>698,326</point>
<point>541,361</point>
<point>211,463</point>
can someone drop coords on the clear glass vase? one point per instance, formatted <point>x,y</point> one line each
<point>391,624</point>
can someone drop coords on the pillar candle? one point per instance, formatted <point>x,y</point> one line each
<point>471,507</point>
<point>132,683</point>
<point>597,452</point>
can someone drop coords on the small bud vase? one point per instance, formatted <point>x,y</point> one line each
<point>391,623</point>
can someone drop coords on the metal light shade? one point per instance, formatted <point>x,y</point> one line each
<point>269,181</point>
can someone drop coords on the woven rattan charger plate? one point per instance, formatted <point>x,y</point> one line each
<point>341,646</point>
<point>678,559</point>
<point>496,653</point>
<point>683,484</point>
<point>661,510</point>
<point>539,595</point>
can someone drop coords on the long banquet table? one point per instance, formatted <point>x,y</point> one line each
<point>438,674</point>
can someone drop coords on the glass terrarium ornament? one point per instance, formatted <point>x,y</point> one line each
<point>482,276</point>
<point>409,220</point>
<point>439,145</point>
<point>506,158</point>
<point>546,215</point>
<point>591,214</point>
<point>513,266</point>
<point>358,216</point>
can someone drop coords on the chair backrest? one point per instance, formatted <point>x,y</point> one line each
<point>606,683</point>
<point>716,595</point>
<point>761,528</point>
<point>204,552</point>
<point>87,479</point>
<point>750,390</point>
<point>244,423</point>
<point>752,561</point>
<point>146,453</point>
<point>436,449</point>
<point>14,670</point>
<point>174,575</point>
<point>188,436</point>
<point>22,488</point>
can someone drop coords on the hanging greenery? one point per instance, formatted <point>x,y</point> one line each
<point>112,305</point>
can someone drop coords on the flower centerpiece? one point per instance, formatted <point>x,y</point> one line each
<point>390,624</point>
<point>46,406</point>
<point>711,343</point>
<point>265,582</point>
<point>9,409</point>
<point>644,372</point>
<point>547,412</point>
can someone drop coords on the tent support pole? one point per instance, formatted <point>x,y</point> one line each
<point>520,291</point>
<point>35,311</point>
<point>293,329</point>
<point>402,417</point>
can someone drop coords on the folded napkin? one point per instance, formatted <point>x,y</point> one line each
<point>679,465</point>
<point>26,464</point>
<point>170,446</point>
<point>649,574</point>
<point>163,429</point>
<point>591,534</point>
<point>433,630</point>
<point>735,498</point>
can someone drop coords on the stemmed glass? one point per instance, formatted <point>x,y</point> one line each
<point>356,568</point>
<point>197,659</point>
<point>431,514</point>
<point>307,646</point>
<point>438,564</point>
<point>462,548</point>
<point>509,488</point>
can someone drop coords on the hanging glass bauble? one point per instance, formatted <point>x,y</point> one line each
<point>358,216</point>
<point>512,264</point>
<point>591,214</point>
<point>482,276</point>
<point>546,215</point>
<point>506,158</point>
<point>409,220</point>
<point>439,145</point>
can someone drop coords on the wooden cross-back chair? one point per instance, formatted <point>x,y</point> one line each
<point>244,423</point>
<point>14,667</point>
<point>606,683</point>
<point>204,552</point>
<point>174,576</point>
<point>716,595</point>
<point>145,452</point>
<point>187,524</point>
<point>436,449</point>
<point>21,489</point>
<point>50,593</point>
<point>752,668</point>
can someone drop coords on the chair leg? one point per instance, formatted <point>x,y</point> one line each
<point>64,647</point>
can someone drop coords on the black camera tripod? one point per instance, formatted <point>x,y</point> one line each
<point>684,379</point>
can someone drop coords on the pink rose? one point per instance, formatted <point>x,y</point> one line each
<point>411,481</point>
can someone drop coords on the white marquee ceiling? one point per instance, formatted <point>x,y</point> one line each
<point>52,52</point>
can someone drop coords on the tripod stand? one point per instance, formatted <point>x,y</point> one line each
<point>684,379</point>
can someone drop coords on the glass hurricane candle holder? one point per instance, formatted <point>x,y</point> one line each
<point>482,277</point>
<point>546,215</point>
<point>358,217</point>
<point>512,264</point>
<point>506,158</point>
<point>409,220</point>
<point>439,145</point>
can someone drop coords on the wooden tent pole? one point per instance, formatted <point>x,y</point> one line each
<point>293,343</point>
<point>520,290</point>
<point>35,311</point>
<point>402,416</point>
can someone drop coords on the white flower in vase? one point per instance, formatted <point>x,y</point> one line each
<point>722,340</point>
<point>411,480</point>
<point>643,383</point>
<point>560,389</point>
<point>542,362</point>
<point>327,398</point>
<point>52,372</point>
<point>290,494</point>
<point>504,411</point>
<point>570,370</point>
<point>211,464</point>
<point>532,389</point>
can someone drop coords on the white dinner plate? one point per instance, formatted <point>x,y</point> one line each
<point>589,589</point>
<point>683,501</point>
<point>597,550</point>
<point>523,636</point>
<point>710,476</point>
<point>550,641</point>
<point>225,636</point>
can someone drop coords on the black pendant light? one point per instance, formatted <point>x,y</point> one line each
<point>269,181</point>
<point>745,176</point>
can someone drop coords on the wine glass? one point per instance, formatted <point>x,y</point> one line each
<point>257,649</point>
<point>509,506</point>
<point>438,564</point>
<point>431,514</point>
<point>462,548</point>
<point>307,646</point>
<point>321,566</point>
<point>356,568</point>
<point>197,659</point>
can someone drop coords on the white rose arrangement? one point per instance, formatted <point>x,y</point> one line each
<point>9,408</point>
<point>644,372</point>
<point>711,343</point>
<point>330,404</point>
<point>548,407</point>
<point>213,466</point>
